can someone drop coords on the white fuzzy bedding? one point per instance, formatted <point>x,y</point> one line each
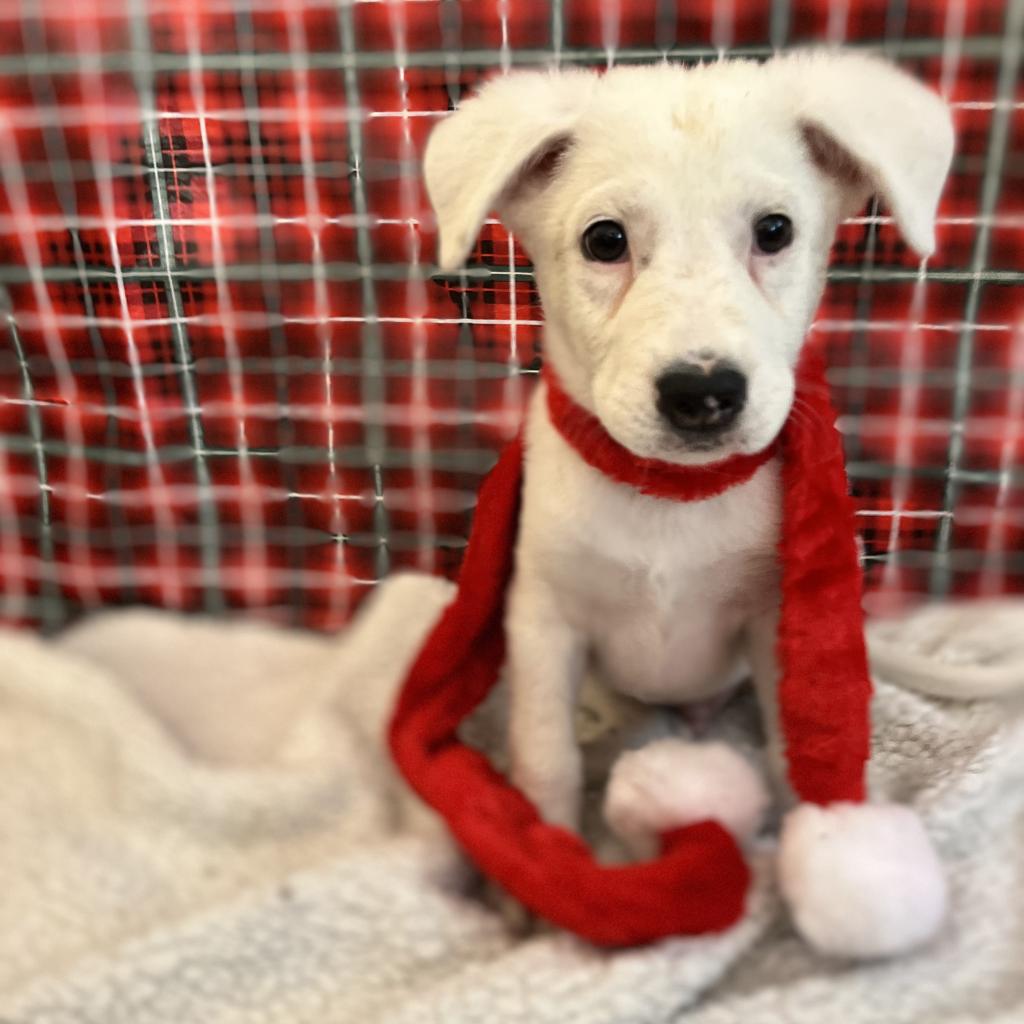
<point>198,826</point>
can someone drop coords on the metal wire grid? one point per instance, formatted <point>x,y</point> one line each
<point>233,378</point>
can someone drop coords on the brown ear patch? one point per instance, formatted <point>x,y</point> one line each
<point>546,161</point>
<point>542,166</point>
<point>831,157</point>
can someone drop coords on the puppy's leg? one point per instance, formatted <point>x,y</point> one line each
<point>761,636</point>
<point>546,658</point>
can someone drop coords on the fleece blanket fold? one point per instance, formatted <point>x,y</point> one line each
<point>199,822</point>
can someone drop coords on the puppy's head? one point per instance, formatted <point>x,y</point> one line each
<point>679,221</point>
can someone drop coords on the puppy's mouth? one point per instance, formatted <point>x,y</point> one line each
<point>648,433</point>
<point>698,447</point>
<point>699,441</point>
<point>664,443</point>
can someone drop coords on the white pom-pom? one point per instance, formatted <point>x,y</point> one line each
<point>861,880</point>
<point>671,783</point>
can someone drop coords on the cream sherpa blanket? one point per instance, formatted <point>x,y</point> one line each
<point>197,826</point>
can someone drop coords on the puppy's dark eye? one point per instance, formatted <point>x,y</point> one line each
<point>604,241</point>
<point>773,232</point>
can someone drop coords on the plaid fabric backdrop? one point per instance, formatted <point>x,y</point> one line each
<point>231,376</point>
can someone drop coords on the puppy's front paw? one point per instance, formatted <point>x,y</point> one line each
<point>861,880</point>
<point>670,783</point>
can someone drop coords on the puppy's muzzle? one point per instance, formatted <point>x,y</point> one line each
<point>699,401</point>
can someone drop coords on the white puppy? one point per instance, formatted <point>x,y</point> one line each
<point>679,221</point>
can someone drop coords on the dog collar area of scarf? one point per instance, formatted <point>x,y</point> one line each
<point>699,881</point>
<point>584,432</point>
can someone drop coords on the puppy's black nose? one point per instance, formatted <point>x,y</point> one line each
<point>696,401</point>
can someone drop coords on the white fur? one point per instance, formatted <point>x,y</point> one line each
<point>861,880</point>
<point>673,599</point>
<point>670,783</point>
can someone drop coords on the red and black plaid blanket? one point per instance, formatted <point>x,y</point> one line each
<point>231,376</point>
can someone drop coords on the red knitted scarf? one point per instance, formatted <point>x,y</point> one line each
<point>699,882</point>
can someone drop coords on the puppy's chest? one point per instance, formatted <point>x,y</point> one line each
<point>621,572</point>
<point>614,555</point>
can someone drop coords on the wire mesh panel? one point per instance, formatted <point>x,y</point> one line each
<point>232,377</point>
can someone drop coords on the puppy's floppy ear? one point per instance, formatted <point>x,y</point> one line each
<point>876,130</point>
<point>476,156</point>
